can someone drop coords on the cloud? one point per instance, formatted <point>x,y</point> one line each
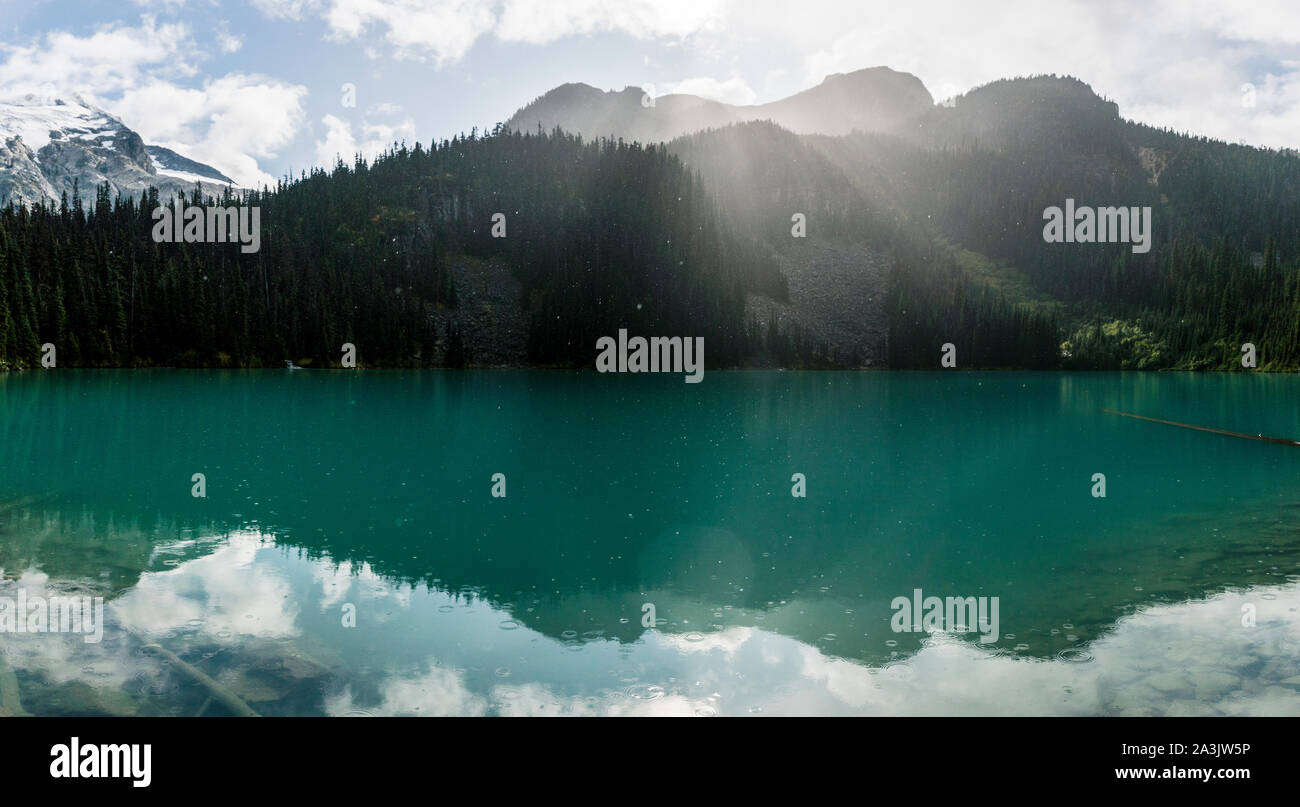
<point>340,142</point>
<point>228,123</point>
<point>541,21</point>
<point>1267,21</point>
<point>228,42</point>
<point>444,30</point>
<point>731,91</point>
<point>113,58</point>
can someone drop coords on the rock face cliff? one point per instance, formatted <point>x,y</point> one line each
<point>48,146</point>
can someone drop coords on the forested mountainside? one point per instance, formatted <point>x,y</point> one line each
<point>599,236</point>
<point>873,248</point>
<point>1223,267</point>
<point>956,203</point>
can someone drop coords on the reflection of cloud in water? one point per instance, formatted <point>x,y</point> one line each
<point>337,581</point>
<point>227,591</point>
<point>438,692</point>
<point>435,692</point>
<point>728,641</point>
<point>1183,659</point>
<point>1186,658</point>
<point>535,700</point>
<point>61,658</point>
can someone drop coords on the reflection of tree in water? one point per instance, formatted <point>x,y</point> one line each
<point>107,557</point>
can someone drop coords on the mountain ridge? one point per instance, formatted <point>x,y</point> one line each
<point>871,99</point>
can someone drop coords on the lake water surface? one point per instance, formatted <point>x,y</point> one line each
<point>368,495</point>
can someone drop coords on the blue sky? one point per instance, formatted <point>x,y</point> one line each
<point>254,87</point>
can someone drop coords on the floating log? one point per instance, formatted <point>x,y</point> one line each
<point>1243,435</point>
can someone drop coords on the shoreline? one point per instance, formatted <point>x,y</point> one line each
<point>555,368</point>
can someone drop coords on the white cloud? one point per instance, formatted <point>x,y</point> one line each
<point>731,91</point>
<point>444,30</point>
<point>340,142</point>
<point>1267,21</point>
<point>228,42</point>
<point>114,57</point>
<point>542,21</point>
<point>228,123</point>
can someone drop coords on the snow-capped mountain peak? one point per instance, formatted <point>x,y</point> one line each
<point>38,120</point>
<point>48,145</point>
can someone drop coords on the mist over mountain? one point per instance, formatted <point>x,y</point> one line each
<point>48,146</point>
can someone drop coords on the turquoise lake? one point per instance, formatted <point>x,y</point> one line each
<point>335,497</point>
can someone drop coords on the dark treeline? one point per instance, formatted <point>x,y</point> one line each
<point>600,235</point>
<point>1224,263</point>
<point>92,282</point>
<point>932,303</point>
